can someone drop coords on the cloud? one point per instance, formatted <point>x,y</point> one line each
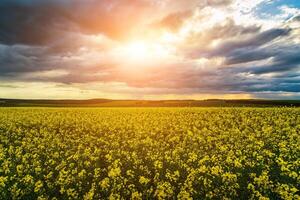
<point>40,22</point>
<point>209,50</point>
<point>276,58</point>
<point>174,21</point>
<point>297,18</point>
<point>280,63</point>
<point>255,41</point>
<point>246,55</point>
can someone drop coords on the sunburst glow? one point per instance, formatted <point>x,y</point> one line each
<point>143,52</point>
<point>137,50</point>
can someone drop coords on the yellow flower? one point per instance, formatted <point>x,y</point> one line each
<point>184,195</point>
<point>28,179</point>
<point>38,170</point>
<point>216,170</point>
<point>104,184</point>
<point>2,181</point>
<point>90,194</point>
<point>130,173</point>
<point>164,190</point>
<point>114,172</point>
<point>38,185</point>
<point>144,180</point>
<point>114,197</point>
<point>136,196</point>
<point>82,174</point>
<point>203,169</point>
<point>71,192</point>
<point>20,169</point>
<point>158,164</point>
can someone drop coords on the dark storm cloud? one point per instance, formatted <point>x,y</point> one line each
<point>19,60</point>
<point>33,3</point>
<point>13,61</point>
<point>280,74</point>
<point>32,22</point>
<point>248,55</point>
<point>42,22</point>
<point>297,18</point>
<point>283,58</point>
<point>258,47</point>
<point>281,63</point>
<point>238,82</point>
<point>272,85</point>
<point>253,42</point>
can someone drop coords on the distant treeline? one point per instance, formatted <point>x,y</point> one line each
<point>147,103</point>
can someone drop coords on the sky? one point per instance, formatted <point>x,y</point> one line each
<point>150,49</point>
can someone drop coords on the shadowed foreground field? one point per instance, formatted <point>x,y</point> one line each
<point>149,153</point>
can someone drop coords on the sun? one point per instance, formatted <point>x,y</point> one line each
<point>140,56</point>
<point>142,52</point>
<point>137,50</point>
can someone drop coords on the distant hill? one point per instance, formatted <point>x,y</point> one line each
<point>147,103</point>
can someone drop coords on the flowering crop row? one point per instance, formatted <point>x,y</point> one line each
<point>149,153</point>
